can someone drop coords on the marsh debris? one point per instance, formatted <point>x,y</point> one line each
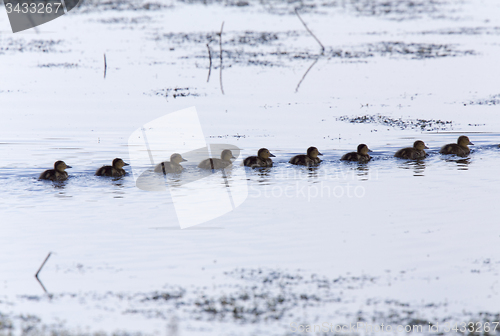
<point>59,65</point>
<point>417,50</point>
<point>464,31</point>
<point>36,45</point>
<point>492,100</point>
<point>127,20</point>
<point>89,6</point>
<point>173,92</point>
<point>418,124</point>
<point>258,297</point>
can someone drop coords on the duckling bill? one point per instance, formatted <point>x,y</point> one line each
<point>361,154</point>
<point>309,159</point>
<point>460,148</point>
<point>172,166</point>
<point>115,170</point>
<point>413,153</point>
<point>223,162</point>
<point>261,160</point>
<point>56,174</point>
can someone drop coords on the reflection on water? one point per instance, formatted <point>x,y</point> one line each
<point>462,164</point>
<point>418,166</point>
<point>363,171</point>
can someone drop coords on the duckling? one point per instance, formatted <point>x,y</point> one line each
<point>172,166</point>
<point>460,148</point>
<point>115,170</point>
<point>261,160</point>
<point>361,155</point>
<point>223,162</point>
<point>311,158</point>
<point>56,174</point>
<point>413,153</point>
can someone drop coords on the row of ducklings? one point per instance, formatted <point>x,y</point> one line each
<point>262,159</point>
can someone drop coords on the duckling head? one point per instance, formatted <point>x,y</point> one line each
<point>264,153</point>
<point>61,166</point>
<point>420,145</point>
<point>464,141</point>
<point>227,155</point>
<point>118,163</point>
<point>177,158</point>
<point>363,149</point>
<point>313,152</point>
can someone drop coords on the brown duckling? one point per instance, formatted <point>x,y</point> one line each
<point>56,174</point>
<point>172,166</point>
<point>361,155</point>
<point>460,148</point>
<point>261,160</point>
<point>413,153</point>
<point>115,170</point>
<point>309,159</point>
<point>223,162</point>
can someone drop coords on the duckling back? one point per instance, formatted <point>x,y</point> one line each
<point>354,156</point>
<point>410,153</point>
<point>53,175</point>
<point>110,171</point>
<point>214,164</point>
<point>303,160</point>
<point>455,149</point>
<point>168,167</point>
<point>255,161</point>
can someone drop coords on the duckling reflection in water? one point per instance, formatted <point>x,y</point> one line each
<point>115,170</point>
<point>172,166</point>
<point>309,159</point>
<point>460,148</point>
<point>223,162</point>
<point>361,155</point>
<point>413,153</point>
<point>261,160</point>
<point>56,174</point>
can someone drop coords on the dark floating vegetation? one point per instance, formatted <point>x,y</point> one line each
<point>389,9</point>
<point>126,20</point>
<point>269,49</point>
<point>252,296</point>
<point>21,45</point>
<point>121,5</point>
<point>417,50</point>
<point>465,31</point>
<point>59,65</point>
<point>173,92</point>
<point>420,124</point>
<point>492,100</point>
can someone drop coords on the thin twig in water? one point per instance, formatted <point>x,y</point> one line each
<point>310,32</point>
<point>37,272</point>
<point>305,74</point>
<point>105,65</point>
<point>210,65</point>
<point>220,49</point>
